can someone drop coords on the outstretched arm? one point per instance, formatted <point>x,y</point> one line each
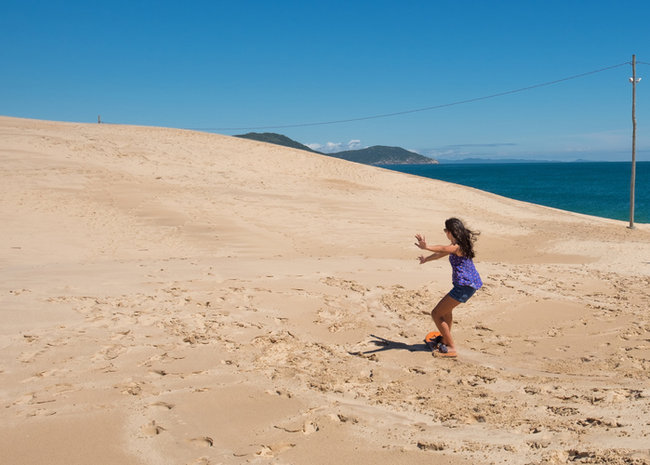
<point>434,256</point>
<point>444,249</point>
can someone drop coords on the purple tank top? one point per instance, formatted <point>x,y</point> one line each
<point>463,272</point>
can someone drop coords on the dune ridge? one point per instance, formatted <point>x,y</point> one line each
<point>172,296</point>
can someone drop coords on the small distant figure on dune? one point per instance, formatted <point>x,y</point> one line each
<point>465,279</point>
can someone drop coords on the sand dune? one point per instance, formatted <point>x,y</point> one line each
<point>178,297</point>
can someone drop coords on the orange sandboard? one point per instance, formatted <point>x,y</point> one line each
<point>433,340</point>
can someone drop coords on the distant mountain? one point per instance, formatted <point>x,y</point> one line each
<point>277,139</point>
<point>382,155</point>
<point>377,155</point>
<point>469,161</point>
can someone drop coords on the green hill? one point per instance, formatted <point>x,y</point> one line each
<point>377,155</point>
<point>382,155</point>
<point>277,139</point>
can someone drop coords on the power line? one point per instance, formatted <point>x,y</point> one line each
<point>434,107</point>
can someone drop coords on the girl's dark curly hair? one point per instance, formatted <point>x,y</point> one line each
<point>464,237</point>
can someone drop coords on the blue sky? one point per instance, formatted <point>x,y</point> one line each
<point>257,65</point>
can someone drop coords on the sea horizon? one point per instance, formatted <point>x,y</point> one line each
<point>597,188</point>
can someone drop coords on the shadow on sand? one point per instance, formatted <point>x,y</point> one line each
<point>387,344</point>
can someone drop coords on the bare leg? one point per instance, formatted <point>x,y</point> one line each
<point>442,317</point>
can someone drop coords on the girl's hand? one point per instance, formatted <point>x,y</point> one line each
<point>421,241</point>
<point>422,259</point>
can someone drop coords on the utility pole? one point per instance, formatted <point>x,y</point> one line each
<point>634,81</point>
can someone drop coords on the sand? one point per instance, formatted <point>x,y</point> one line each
<point>175,297</point>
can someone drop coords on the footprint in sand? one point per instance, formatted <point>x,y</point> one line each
<point>152,429</point>
<point>25,399</point>
<point>162,405</point>
<point>133,388</point>
<point>18,291</point>
<point>47,373</point>
<point>110,352</point>
<point>29,357</point>
<point>200,461</point>
<point>344,418</point>
<point>308,427</point>
<point>274,449</point>
<point>120,335</point>
<point>41,412</point>
<point>204,441</point>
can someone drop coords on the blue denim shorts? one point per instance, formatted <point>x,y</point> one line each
<point>461,293</point>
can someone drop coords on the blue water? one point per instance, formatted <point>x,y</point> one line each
<point>593,188</point>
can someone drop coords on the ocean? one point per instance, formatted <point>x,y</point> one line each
<point>593,188</point>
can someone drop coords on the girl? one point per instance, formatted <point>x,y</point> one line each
<point>465,278</point>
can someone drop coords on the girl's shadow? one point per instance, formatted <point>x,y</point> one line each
<point>387,344</point>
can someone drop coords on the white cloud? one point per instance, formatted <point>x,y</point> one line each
<point>333,147</point>
<point>354,144</point>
